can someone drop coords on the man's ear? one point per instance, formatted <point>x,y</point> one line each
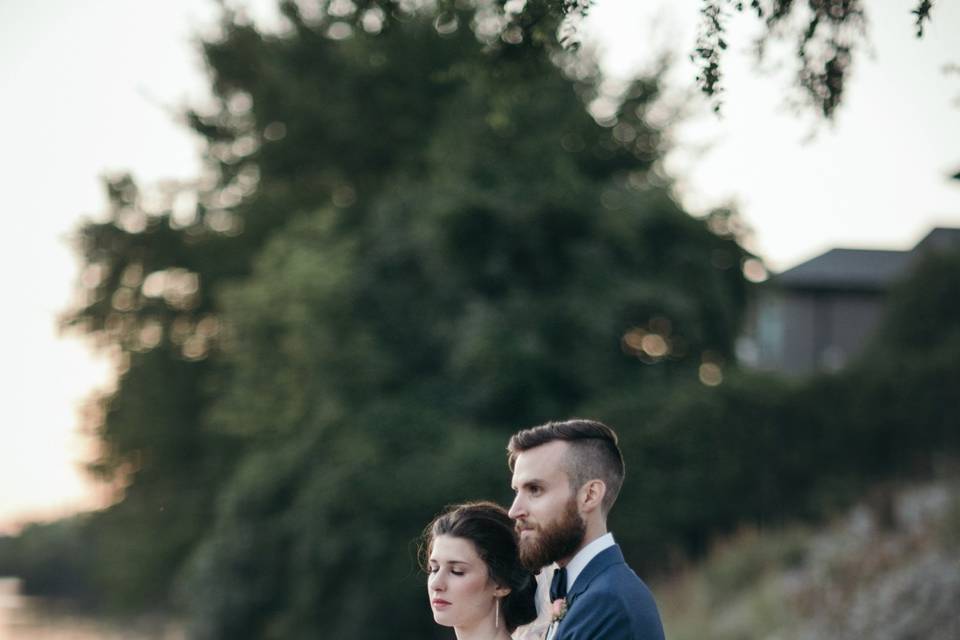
<point>591,494</point>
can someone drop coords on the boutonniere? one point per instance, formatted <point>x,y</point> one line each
<point>559,609</point>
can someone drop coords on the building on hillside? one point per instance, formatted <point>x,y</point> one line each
<point>819,314</point>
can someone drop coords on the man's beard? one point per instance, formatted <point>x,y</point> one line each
<point>557,541</point>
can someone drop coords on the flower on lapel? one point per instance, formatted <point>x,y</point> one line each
<point>558,609</point>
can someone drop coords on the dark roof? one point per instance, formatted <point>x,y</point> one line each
<point>863,269</point>
<point>939,239</point>
<point>848,269</point>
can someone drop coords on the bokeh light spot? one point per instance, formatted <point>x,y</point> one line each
<point>710,374</point>
<point>754,271</point>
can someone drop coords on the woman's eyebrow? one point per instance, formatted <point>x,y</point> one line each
<point>464,562</point>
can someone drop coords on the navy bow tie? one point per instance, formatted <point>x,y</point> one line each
<point>558,585</point>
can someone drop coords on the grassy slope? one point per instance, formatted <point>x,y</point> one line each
<point>888,570</point>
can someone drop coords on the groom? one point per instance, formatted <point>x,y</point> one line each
<point>566,476</point>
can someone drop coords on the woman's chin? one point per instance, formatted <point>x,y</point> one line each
<point>441,619</point>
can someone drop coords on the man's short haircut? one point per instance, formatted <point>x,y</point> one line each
<point>594,453</point>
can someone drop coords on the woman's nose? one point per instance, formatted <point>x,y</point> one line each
<point>436,582</point>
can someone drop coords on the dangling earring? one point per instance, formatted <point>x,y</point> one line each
<point>496,623</point>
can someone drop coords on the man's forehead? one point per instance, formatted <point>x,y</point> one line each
<point>540,463</point>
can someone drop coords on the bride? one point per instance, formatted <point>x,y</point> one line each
<point>476,583</point>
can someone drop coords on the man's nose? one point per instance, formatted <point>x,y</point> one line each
<point>517,509</point>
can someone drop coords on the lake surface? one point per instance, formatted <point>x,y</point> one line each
<point>24,618</point>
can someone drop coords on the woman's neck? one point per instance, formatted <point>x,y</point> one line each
<point>483,630</point>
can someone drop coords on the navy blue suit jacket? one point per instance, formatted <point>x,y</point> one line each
<point>609,602</point>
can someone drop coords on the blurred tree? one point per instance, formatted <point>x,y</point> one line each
<point>826,34</point>
<point>758,450</point>
<point>51,559</point>
<point>518,262</point>
<point>412,240</point>
<point>905,384</point>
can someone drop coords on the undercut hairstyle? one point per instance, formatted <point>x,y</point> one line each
<point>494,537</point>
<point>593,455</point>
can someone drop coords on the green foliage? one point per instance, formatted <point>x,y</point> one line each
<point>707,459</point>
<point>826,34</point>
<point>52,559</point>
<point>824,37</point>
<point>836,580</point>
<point>742,561</point>
<point>760,450</point>
<point>412,240</point>
<point>905,383</point>
<point>925,309</point>
<point>416,241</point>
<point>329,544</point>
<point>385,345</point>
<point>8,563</point>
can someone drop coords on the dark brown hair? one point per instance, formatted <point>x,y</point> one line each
<point>594,453</point>
<point>491,531</point>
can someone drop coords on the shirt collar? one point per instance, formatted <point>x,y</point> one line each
<point>584,556</point>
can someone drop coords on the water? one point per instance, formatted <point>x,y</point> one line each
<point>25,618</point>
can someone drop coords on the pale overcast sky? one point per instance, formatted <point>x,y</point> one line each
<point>88,87</point>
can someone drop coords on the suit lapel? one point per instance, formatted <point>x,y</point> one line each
<point>602,561</point>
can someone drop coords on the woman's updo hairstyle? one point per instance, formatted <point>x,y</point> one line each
<point>491,531</point>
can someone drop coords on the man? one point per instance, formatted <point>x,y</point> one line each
<point>566,476</point>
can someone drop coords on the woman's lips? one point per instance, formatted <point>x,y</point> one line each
<point>439,604</point>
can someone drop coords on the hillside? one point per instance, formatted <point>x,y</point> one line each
<point>889,569</point>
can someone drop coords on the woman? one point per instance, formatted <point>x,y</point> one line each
<point>476,583</point>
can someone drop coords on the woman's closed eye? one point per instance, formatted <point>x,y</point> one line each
<point>436,569</point>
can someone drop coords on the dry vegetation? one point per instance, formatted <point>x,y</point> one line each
<point>881,572</point>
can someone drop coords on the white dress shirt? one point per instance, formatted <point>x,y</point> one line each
<point>579,562</point>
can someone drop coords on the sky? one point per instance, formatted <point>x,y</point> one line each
<point>92,87</point>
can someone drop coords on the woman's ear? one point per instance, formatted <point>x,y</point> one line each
<point>501,592</point>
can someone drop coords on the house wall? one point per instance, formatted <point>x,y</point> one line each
<point>799,332</point>
<point>822,313</point>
